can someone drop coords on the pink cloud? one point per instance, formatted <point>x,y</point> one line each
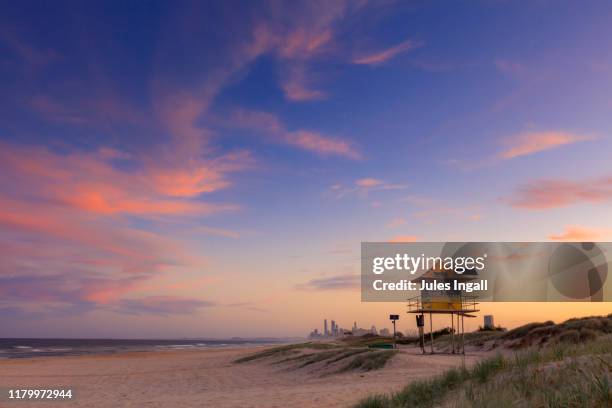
<point>544,194</point>
<point>527,143</point>
<point>303,42</point>
<point>220,232</point>
<point>309,140</point>
<point>369,182</point>
<point>577,233</point>
<point>385,55</point>
<point>67,217</point>
<point>90,181</point>
<point>297,86</point>
<point>321,144</point>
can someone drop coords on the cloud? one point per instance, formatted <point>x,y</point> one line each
<point>248,306</point>
<point>404,238</point>
<point>92,182</point>
<point>322,144</point>
<point>70,288</point>
<point>77,294</point>
<point>545,194</point>
<point>162,305</point>
<point>363,186</point>
<point>219,232</point>
<point>369,182</point>
<point>337,282</point>
<point>297,86</point>
<point>522,144</point>
<point>527,143</point>
<point>577,233</point>
<point>68,235</point>
<point>270,126</point>
<point>385,55</point>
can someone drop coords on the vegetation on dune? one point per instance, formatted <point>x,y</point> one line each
<point>346,354</point>
<point>490,329</point>
<point>534,334</point>
<point>366,340</point>
<point>571,331</point>
<point>477,338</point>
<point>285,350</point>
<point>563,374</point>
<point>371,360</point>
<point>328,354</point>
<point>318,357</point>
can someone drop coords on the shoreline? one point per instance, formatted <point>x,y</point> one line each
<point>209,377</point>
<point>75,347</point>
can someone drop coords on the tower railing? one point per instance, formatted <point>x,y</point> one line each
<point>468,303</point>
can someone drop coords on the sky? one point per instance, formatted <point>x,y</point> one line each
<point>186,169</point>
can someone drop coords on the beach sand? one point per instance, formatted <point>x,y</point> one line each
<point>208,378</point>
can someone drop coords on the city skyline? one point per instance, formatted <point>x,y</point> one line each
<point>209,169</point>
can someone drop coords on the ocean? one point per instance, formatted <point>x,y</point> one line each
<point>28,348</point>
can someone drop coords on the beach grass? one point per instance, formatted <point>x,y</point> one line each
<point>298,356</point>
<point>285,350</point>
<point>371,360</point>
<point>566,374</point>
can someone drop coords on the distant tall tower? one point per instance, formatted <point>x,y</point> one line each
<point>325,332</point>
<point>334,331</point>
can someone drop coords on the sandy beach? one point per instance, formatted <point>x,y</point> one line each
<point>208,378</point>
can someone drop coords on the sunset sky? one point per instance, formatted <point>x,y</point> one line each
<point>172,169</point>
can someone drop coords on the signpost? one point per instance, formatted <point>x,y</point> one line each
<point>420,321</point>
<point>393,318</point>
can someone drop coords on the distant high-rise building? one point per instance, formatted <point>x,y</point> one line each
<point>325,332</point>
<point>488,322</point>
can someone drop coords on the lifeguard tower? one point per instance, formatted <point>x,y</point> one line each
<point>444,300</point>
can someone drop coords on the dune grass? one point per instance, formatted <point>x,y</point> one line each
<point>571,331</point>
<point>562,375</point>
<point>370,360</point>
<point>285,350</point>
<point>329,354</point>
<point>359,358</point>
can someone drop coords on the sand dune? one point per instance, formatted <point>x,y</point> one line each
<point>209,378</point>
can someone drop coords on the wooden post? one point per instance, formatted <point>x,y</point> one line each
<point>453,332</point>
<point>431,331</point>
<point>462,336</point>
<point>422,333</point>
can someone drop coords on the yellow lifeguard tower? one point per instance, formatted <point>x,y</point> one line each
<point>438,296</point>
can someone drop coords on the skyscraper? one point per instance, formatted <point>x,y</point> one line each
<point>325,332</point>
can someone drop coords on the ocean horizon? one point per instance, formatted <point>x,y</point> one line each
<point>14,348</point>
